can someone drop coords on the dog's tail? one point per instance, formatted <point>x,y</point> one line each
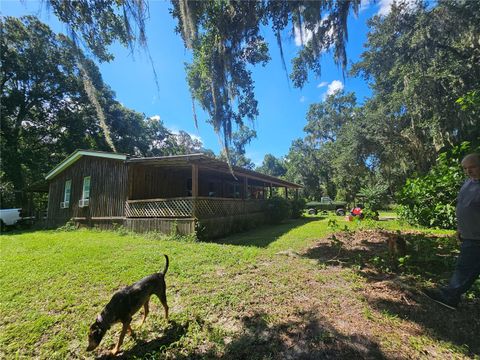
<point>166,264</point>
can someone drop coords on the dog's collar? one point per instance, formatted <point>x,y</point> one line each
<point>101,323</point>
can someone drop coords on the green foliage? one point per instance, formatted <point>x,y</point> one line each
<point>470,102</point>
<point>225,38</point>
<point>413,110</point>
<point>369,214</point>
<point>429,200</point>
<point>277,210</point>
<point>426,256</point>
<point>375,196</point>
<point>7,195</point>
<point>46,113</point>
<point>236,153</point>
<point>297,206</point>
<point>70,225</point>
<point>272,166</point>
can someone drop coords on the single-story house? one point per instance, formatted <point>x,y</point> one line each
<point>169,193</point>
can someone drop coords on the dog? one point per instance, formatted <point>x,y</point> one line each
<point>397,246</point>
<point>124,304</point>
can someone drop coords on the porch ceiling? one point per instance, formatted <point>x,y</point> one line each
<point>205,162</point>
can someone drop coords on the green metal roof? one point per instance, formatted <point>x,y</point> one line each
<point>77,155</point>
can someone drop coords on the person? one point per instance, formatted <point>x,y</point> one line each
<point>467,269</point>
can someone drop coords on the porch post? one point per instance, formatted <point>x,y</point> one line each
<point>245,187</point>
<point>296,194</point>
<point>194,189</point>
<point>129,182</point>
<point>194,180</point>
<point>286,193</point>
<point>271,190</point>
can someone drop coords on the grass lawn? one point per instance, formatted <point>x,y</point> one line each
<point>280,292</point>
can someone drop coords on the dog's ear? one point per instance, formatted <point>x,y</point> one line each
<point>95,335</point>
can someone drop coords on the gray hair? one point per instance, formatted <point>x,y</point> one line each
<point>473,156</point>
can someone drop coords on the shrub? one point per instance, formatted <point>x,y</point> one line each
<point>368,213</point>
<point>430,200</point>
<point>296,208</point>
<point>376,196</point>
<point>277,209</point>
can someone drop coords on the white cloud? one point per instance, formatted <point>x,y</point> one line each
<point>302,37</point>
<point>155,117</point>
<point>322,84</point>
<point>302,99</point>
<point>334,86</point>
<point>196,137</point>
<point>364,5</point>
<point>385,6</point>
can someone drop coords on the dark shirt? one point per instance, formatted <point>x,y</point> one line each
<point>468,210</point>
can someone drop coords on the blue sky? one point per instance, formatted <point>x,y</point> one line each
<point>282,108</point>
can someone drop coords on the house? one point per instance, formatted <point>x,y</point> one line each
<point>181,193</point>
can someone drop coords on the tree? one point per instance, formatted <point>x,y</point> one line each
<point>272,166</point>
<point>436,60</point>
<point>224,37</point>
<point>235,154</point>
<point>429,200</point>
<point>335,134</point>
<point>38,85</point>
<point>305,167</point>
<point>46,113</point>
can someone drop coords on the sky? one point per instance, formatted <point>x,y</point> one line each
<point>282,108</point>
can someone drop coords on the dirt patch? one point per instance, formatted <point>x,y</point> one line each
<point>397,315</point>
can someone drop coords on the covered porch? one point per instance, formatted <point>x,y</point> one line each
<point>198,187</point>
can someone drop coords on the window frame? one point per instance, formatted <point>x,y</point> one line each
<point>67,194</point>
<point>86,180</point>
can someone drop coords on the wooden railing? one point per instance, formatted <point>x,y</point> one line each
<point>199,207</point>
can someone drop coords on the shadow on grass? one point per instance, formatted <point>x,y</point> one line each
<point>428,258</point>
<point>305,337</point>
<point>173,333</point>
<point>460,328</point>
<point>264,235</point>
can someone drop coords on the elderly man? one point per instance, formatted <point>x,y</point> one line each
<point>467,269</point>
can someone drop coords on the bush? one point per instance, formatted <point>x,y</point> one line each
<point>297,207</point>
<point>430,200</point>
<point>368,213</point>
<point>277,209</point>
<point>376,196</point>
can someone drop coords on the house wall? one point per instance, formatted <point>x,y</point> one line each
<point>108,191</point>
<point>148,182</point>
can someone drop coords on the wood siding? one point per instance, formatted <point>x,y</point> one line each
<point>158,182</point>
<point>108,191</point>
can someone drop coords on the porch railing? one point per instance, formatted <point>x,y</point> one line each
<point>199,207</point>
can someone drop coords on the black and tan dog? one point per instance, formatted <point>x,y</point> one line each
<point>124,304</point>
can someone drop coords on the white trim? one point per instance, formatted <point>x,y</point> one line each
<point>65,198</point>
<point>85,191</point>
<point>77,155</point>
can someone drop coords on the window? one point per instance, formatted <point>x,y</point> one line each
<point>66,195</point>
<point>85,192</point>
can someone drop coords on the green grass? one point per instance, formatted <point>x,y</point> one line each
<point>257,293</point>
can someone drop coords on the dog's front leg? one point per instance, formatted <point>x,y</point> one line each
<point>125,327</point>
